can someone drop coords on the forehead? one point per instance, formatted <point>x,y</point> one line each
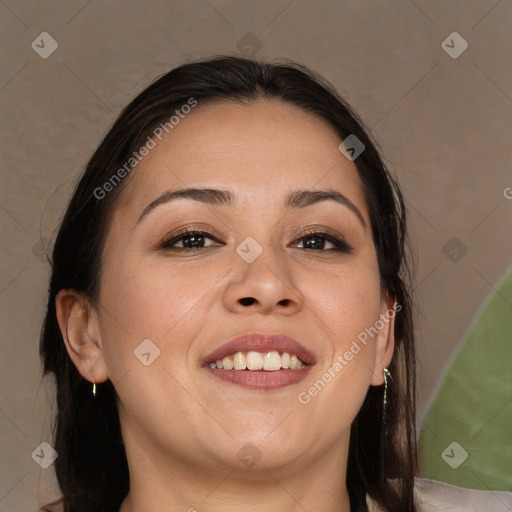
<point>260,150</point>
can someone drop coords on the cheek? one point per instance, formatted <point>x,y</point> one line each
<point>150,303</point>
<point>347,302</point>
<point>347,305</point>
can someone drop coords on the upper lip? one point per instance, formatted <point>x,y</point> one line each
<point>261,342</point>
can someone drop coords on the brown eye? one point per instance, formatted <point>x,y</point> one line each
<point>190,240</point>
<point>316,241</point>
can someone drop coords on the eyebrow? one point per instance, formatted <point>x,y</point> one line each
<point>224,197</point>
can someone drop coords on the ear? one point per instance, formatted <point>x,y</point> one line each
<point>385,338</point>
<point>79,326</point>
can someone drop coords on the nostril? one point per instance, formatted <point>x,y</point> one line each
<point>247,301</point>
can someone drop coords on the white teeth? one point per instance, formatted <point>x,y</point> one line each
<point>240,361</point>
<point>294,363</point>
<point>252,360</point>
<point>227,363</point>
<point>272,361</point>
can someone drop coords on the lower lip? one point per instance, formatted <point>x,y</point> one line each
<point>260,380</point>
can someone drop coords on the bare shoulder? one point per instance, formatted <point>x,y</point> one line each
<point>434,496</point>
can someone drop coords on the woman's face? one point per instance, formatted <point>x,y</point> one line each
<point>192,295</point>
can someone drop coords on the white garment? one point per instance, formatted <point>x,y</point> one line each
<point>433,496</point>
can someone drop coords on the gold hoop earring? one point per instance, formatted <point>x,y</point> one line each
<point>94,389</point>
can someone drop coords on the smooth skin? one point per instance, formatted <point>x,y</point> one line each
<point>182,427</point>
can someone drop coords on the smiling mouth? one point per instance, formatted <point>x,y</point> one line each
<point>270,361</point>
<point>259,371</point>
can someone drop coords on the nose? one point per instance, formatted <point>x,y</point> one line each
<point>264,286</point>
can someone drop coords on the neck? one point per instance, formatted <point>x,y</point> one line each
<point>162,482</point>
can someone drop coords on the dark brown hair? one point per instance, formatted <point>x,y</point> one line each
<point>92,468</point>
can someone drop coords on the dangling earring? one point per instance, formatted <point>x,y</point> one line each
<point>94,389</point>
<point>387,375</point>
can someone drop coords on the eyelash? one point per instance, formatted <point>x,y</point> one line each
<point>340,245</point>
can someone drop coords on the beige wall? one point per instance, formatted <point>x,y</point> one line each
<point>444,125</point>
